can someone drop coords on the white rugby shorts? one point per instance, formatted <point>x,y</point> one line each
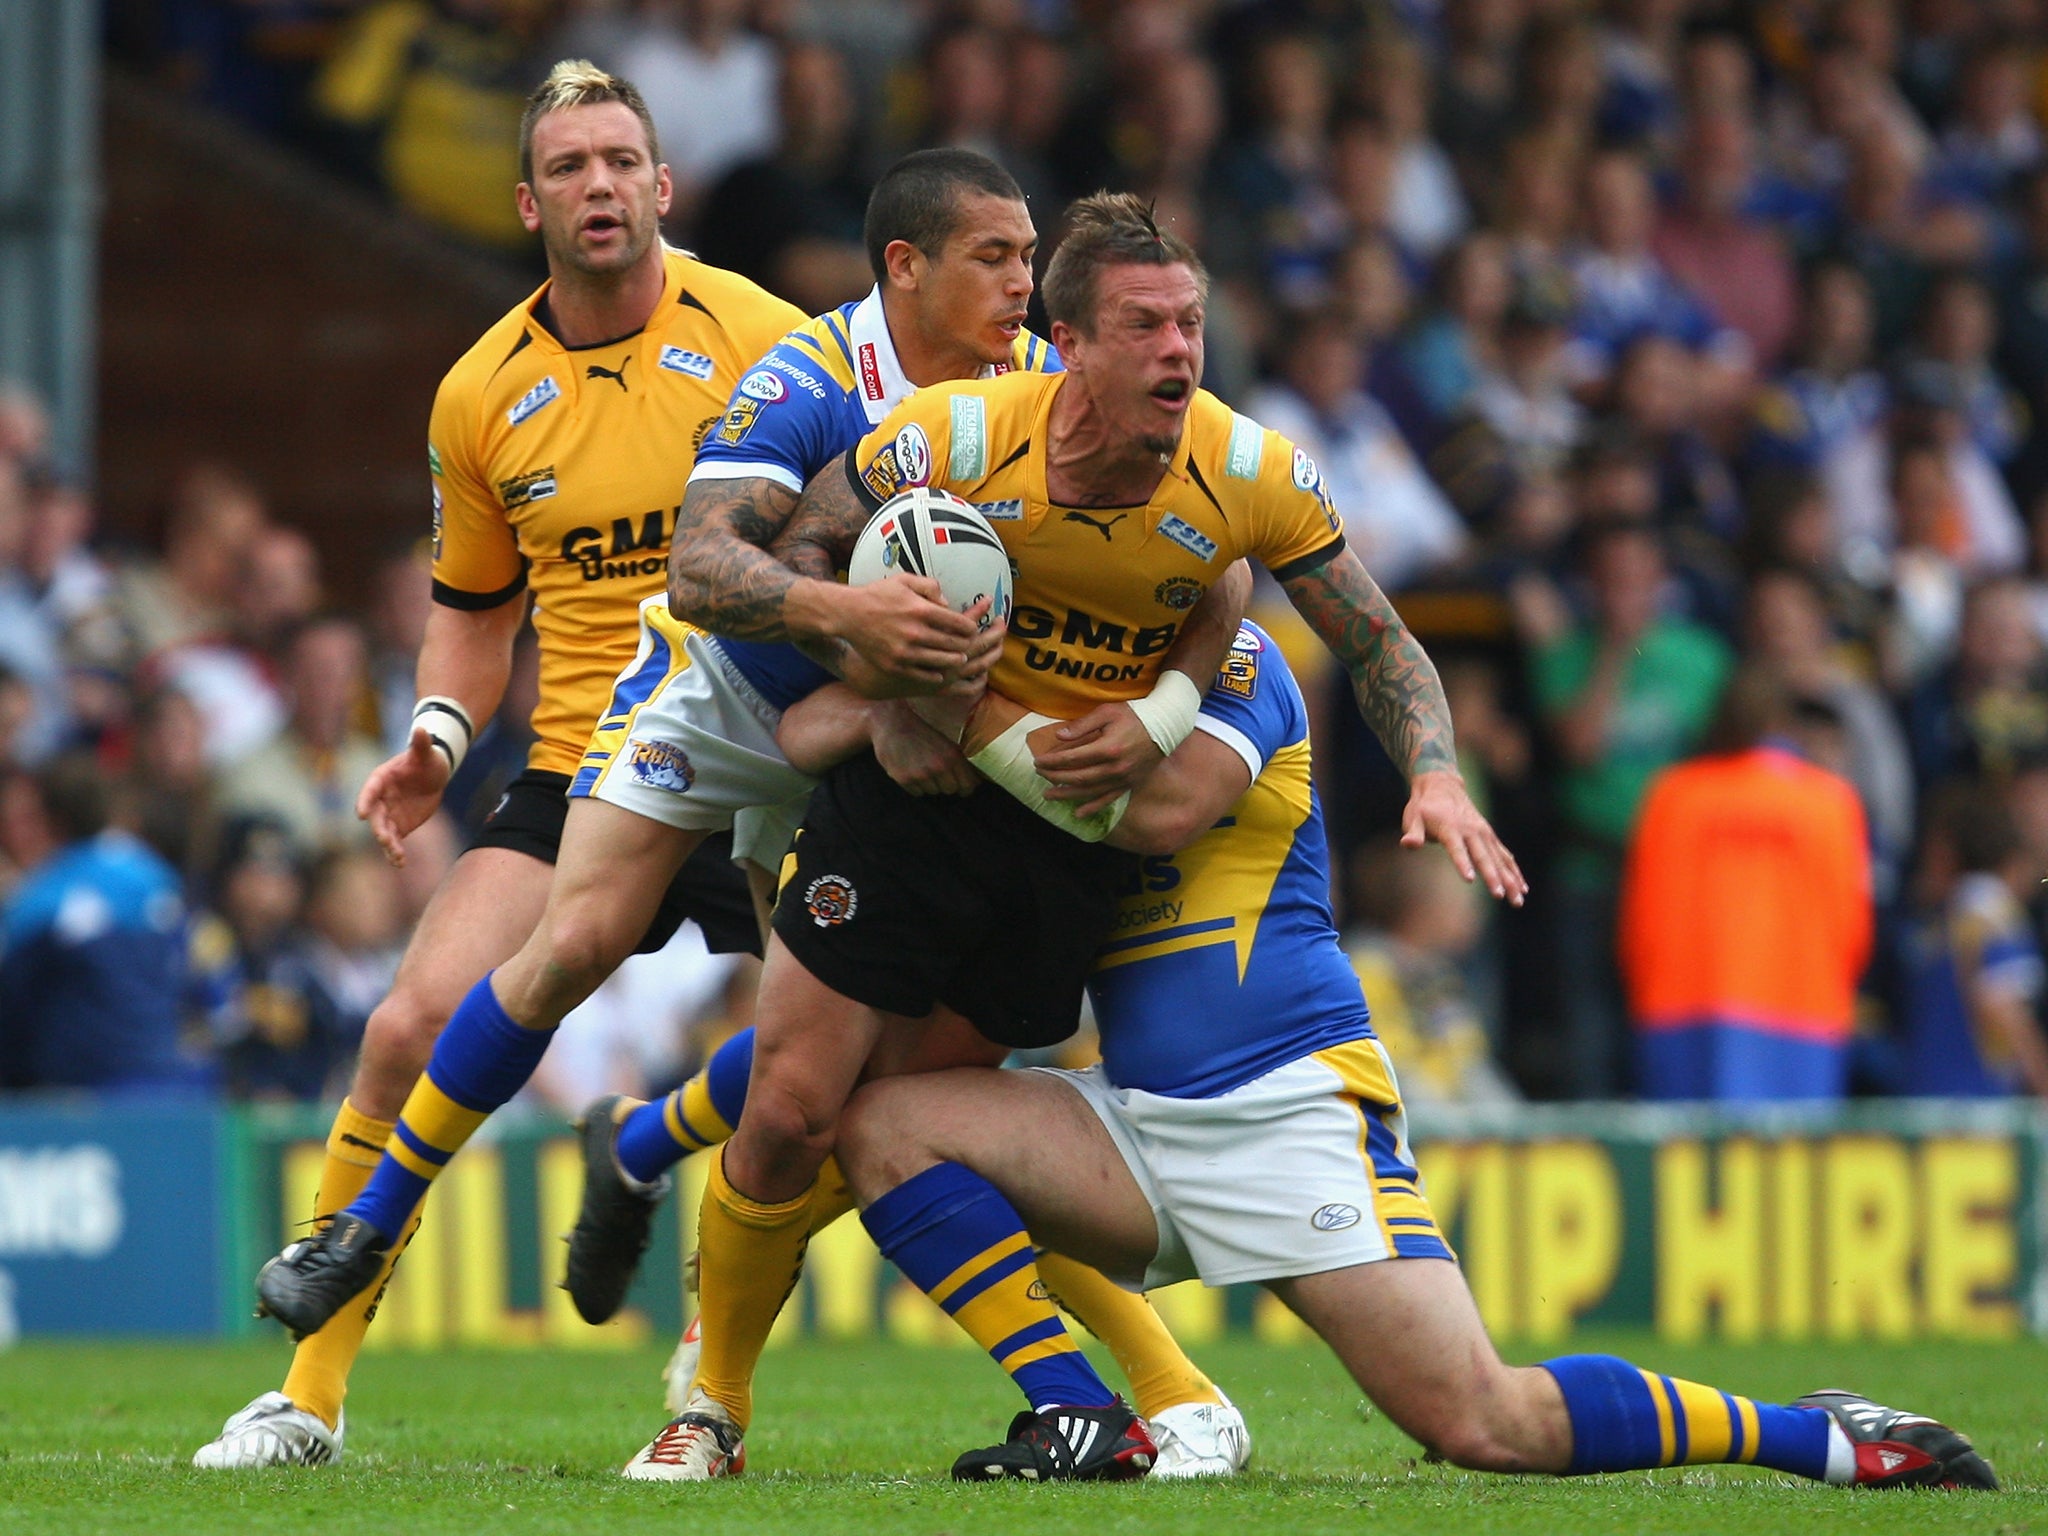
<point>1303,1170</point>
<point>686,741</point>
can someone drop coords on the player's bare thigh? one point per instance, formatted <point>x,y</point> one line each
<point>477,920</point>
<point>1027,1133</point>
<point>1409,1334</point>
<point>611,870</point>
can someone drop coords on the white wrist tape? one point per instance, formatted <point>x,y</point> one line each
<point>1168,711</point>
<point>1006,762</point>
<point>447,726</point>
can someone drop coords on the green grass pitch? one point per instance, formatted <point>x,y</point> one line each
<point>856,1439</point>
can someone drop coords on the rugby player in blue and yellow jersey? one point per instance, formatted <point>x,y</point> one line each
<point>687,745</point>
<point>1244,1125</point>
<point>557,450</point>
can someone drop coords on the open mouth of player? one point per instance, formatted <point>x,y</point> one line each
<point>1173,394</point>
<point>1011,326</point>
<point>602,225</point>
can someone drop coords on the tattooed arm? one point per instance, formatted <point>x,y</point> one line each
<point>720,573</point>
<point>1398,693</point>
<point>723,577</point>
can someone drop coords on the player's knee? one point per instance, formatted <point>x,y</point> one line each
<point>400,1034</point>
<point>789,1123</point>
<point>583,948</point>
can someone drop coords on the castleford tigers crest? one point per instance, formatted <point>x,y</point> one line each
<point>661,765</point>
<point>1180,593</point>
<point>831,900</point>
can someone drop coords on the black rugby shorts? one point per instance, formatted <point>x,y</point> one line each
<point>708,890</point>
<point>902,902</point>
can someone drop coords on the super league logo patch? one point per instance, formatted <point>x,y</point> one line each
<point>913,456</point>
<point>831,900</point>
<point>661,765</point>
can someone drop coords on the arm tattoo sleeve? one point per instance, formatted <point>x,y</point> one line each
<point>720,573</point>
<point>820,534</point>
<point>1394,680</point>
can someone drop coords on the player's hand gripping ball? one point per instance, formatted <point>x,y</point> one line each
<point>927,532</point>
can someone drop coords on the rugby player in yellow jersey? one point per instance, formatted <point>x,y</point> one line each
<point>558,449</point>
<point>688,743</point>
<point>1123,493</point>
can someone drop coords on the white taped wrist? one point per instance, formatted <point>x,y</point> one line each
<point>447,726</point>
<point>1168,711</point>
<point>1007,763</point>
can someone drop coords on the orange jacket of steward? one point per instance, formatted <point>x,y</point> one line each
<point>1746,898</point>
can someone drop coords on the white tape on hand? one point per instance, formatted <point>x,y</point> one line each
<point>1007,763</point>
<point>1168,711</point>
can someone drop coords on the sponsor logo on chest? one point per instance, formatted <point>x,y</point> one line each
<point>538,398</point>
<point>692,365</point>
<point>522,490</point>
<point>1188,537</point>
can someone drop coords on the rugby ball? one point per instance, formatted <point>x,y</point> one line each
<point>927,532</point>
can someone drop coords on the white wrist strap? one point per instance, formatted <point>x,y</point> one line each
<point>447,726</point>
<point>1007,763</point>
<point>1168,711</point>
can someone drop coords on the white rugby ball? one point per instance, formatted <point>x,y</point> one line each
<point>928,532</point>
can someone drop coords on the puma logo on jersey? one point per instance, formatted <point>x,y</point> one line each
<point>616,375</point>
<point>1097,524</point>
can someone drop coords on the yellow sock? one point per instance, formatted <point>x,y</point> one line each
<point>749,1256</point>
<point>1161,1375</point>
<point>318,1379</point>
<point>830,1198</point>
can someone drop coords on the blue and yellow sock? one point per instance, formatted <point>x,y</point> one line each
<point>700,1114</point>
<point>482,1058</point>
<point>963,1245</point>
<point>1625,1419</point>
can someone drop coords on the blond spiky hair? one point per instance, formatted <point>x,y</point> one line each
<point>579,83</point>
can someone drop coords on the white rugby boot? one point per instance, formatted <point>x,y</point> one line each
<point>272,1431</point>
<point>679,1376</point>
<point>698,1444</point>
<point>1200,1440</point>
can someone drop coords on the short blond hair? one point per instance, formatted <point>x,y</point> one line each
<point>580,83</point>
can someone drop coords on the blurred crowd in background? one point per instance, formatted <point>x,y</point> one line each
<point>1681,367</point>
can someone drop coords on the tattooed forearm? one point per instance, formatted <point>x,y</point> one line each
<point>720,573</point>
<point>1393,678</point>
<point>820,533</point>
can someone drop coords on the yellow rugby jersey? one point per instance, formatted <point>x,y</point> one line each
<point>563,468</point>
<point>1102,591</point>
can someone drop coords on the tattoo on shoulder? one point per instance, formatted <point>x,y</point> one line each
<point>720,573</point>
<point>1394,680</point>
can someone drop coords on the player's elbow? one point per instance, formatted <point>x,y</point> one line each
<point>1156,829</point>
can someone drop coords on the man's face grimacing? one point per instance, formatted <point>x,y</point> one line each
<point>1143,362</point>
<point>972,294</point>
<point>597,197</point>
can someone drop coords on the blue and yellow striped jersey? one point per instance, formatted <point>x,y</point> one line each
<point>1223,962</point>
<point>818,391</point>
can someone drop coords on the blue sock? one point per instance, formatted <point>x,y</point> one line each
<point>1625,1419</point>
<point>480,1061</point>
<point>961,1243</point>
<point>697,1115</point>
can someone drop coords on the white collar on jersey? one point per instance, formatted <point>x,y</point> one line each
<point>877,374</point>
